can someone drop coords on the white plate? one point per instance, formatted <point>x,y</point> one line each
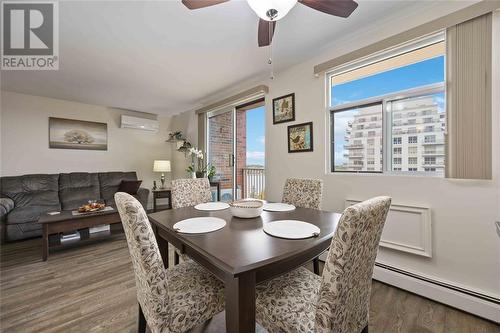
<point>291,229</point>
<point>212,206</point>
<point>199,225</point>
<point>278,207</point>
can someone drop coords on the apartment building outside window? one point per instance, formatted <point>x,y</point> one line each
<point>394,106</point>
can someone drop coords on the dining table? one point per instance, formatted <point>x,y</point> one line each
<point>241,255</point>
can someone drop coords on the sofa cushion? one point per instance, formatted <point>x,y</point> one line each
<point>77,188</point>
<point>130,186</point>
<point>28,214</point>
<point>110,182</point>
<point>32,190</point>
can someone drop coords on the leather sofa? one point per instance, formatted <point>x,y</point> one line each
<point>24,198</point>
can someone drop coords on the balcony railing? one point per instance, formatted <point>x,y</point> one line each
<point>254,183</point>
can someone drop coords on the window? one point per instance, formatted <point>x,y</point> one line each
<point>430,169</point>
<point>429,160</point>
<point>430,139</point>
<point>387,117</point>
<point>346,120</point>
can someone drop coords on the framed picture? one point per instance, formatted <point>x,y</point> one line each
<point>300,138</point>
<point>284,109</point>
<point>77,134</point>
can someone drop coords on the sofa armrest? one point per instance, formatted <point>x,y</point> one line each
<point>6,205</point>
<point>143,196</point>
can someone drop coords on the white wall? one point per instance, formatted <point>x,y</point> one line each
<point>187,122</point>
<point>25,142</point>
<point>466,248</point>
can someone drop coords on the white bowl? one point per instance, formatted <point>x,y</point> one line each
<point>246,209</point>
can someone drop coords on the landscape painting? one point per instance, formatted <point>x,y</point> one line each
<point>77,134</point>
<point>284,109</point>
<point>300,138</point>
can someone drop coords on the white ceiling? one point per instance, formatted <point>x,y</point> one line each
<point>160,57</point>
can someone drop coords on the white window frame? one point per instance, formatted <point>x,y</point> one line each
<point>385,100</point>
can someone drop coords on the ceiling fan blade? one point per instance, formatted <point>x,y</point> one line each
<point>342,8</point>
<point>197,4</point>
<point>266,32</point>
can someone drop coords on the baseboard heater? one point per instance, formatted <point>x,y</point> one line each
<point>442,284</point>
<point>471,301</point>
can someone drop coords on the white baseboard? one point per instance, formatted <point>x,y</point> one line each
<point>460,300</point>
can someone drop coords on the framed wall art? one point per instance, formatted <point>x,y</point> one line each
<point>300,138</point>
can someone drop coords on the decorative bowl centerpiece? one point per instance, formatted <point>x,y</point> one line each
<point>91,206</point>
<point>246,209</point>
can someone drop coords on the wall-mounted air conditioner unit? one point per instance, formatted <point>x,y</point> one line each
<point>140,123</point>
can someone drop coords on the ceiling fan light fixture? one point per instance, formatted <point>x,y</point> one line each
<point>271,10</point>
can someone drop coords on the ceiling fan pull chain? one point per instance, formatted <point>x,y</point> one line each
<point>270,61</point>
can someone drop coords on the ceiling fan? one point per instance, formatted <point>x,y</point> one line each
<point>270,11</point>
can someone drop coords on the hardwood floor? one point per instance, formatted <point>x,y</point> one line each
<point>91,288</point>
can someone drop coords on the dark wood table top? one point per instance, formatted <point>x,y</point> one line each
<point>68,215</point>
<point>242,245</point>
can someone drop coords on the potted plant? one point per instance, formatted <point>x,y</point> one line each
<point>211,172</point>
<point>198,168</point>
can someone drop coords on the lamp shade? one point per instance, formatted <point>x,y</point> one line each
<point>161,166</point>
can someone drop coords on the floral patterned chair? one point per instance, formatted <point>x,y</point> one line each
<point>186,193</point>
<point>305,193</point>
<point>190,192</point>
<point>170,300</point>
<point>339,301</point>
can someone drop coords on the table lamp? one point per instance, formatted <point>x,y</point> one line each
<point>162,166</point>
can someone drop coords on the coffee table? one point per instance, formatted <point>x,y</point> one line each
<point>66,221</point>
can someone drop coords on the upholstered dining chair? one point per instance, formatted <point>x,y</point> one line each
<point>186,193</point>
<point>170,300</point>
<point>339,301</point>
<point>305,193</point>
<point>190,192</point>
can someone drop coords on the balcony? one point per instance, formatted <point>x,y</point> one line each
<point>254,183</point>
<point>354,146</point>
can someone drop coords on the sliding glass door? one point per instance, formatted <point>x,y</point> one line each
<point>220,148</point>
<point>235,146</point>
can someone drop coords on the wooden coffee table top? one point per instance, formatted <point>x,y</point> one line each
<point>65,215</point>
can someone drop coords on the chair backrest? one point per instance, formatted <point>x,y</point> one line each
<point>190,192</point>
<point>150,275</point>
<point>344,297</point>
<point>305,193</point>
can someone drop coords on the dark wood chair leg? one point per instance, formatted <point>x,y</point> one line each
<point>176,258</point>
<point>365,330</point>
<point>316,266</point>
<point>141,322</point>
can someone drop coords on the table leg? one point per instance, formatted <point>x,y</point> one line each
<point>240,303</point>
<point>316,265</point>
<point>45,242</point>
<point>162,247</point>
<point>176,258</point>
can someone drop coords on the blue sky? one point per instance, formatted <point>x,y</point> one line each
<point>407,77</point>
<point>256,120</point>
<point>420,74</point>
